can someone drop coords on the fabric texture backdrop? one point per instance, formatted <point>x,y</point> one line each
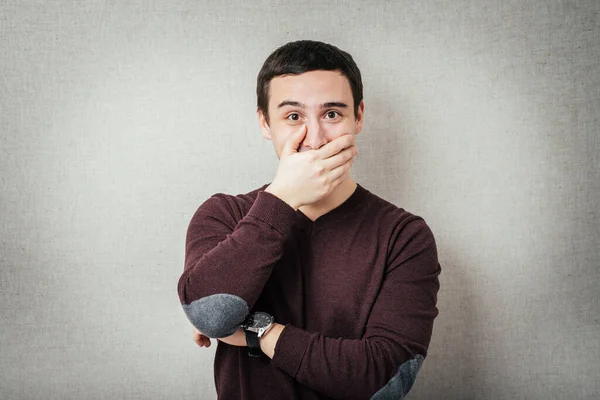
<point>118,119</point>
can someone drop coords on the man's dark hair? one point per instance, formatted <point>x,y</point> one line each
<point>295,58</point>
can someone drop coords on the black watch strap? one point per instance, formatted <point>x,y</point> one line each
<point>253,344</point>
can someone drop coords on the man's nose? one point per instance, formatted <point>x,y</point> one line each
<point>315,136</point>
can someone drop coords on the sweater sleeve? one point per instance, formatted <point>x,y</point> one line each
<point>228,260</point>
<point>383,363</point>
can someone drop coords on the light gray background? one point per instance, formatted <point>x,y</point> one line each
<point>118,119</point>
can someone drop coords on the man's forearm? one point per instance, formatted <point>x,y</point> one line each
<point>267,342</point>
<point>225,269</point>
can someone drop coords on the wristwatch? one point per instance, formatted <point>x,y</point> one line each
<point>255,326</point>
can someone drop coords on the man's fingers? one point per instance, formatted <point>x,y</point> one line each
<point>293,142</point>
<point>336,145</point>
<point>337,174</point>
<point>343,157</point>
<point>201,339</point>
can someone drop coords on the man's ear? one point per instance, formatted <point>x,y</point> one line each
<point>265,130</point>
<point>360,117</point>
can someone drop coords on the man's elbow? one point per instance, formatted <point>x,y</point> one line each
<point>401,383</point>
<point>218,315</point>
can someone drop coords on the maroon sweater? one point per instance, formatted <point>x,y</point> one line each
<point>356,290</point>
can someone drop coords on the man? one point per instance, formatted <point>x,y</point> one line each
<point>315,287</point>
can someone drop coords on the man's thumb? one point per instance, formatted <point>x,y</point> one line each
<point>292,144</point>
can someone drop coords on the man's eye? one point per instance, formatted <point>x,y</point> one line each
<point>332,114</point>
<point>293,117</point>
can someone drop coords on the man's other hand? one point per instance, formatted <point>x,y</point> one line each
<point>237,339</point>
<point>201,339</point>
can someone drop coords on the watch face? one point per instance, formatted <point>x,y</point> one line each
<point>261,320</point>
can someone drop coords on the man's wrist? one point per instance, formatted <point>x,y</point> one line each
<point>277,193</point>
<point>267,329</point>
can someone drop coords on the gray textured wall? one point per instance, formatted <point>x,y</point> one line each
<point>117,120</point>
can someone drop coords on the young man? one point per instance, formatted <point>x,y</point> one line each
<point>316,287</point>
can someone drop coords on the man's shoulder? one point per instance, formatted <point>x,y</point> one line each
<point>236,205</point>
<point>399,226</point>
<point>385,211</point>
<point>241,199</point>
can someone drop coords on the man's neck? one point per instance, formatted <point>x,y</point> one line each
<point>338,196</point>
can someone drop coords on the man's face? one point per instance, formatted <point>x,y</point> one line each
<point>321,100</point>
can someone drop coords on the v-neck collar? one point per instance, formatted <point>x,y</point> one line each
<point>349,204</point>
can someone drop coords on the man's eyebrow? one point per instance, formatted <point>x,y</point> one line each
<point>324,105</point>
<point>338,104</point>
<point>290,103</point>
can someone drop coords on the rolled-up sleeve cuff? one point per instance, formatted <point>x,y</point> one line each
<point>291,348</point>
